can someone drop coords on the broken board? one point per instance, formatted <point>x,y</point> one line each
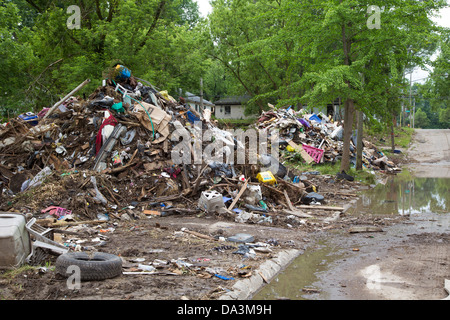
<point>303,153</point>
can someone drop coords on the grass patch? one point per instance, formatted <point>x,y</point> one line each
<point>402,137</point>
<point>363,176</point>
<point>11,274</point>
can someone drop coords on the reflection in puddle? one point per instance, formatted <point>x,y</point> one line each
<point>422,199</point>
<point>405,195</point>
<point>296,282</point>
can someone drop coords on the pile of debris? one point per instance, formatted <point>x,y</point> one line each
<point>318,139</point>
<point>111,157</point>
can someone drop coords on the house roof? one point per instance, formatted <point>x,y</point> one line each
<point>233,100</point>
<point>190,97</point>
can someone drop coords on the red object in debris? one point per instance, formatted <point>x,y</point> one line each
<point>98,142</point>
<point>315,153</point>
<point>57,211</point>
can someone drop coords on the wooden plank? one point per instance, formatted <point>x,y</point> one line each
<point>365,229</point>
<point>291,207</point>
<point>297,213</point>
<point>74,223</point>
<point>263,277</point>
<point>200,235</point>
<point>238,196</point>
<point>302,151</point>
<point>151,212</point>
<point>50,111</point>
<point>321,207</point>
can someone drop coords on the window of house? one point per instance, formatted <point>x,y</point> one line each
<point>227,109</point>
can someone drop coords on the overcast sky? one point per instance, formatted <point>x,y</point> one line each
<point>204,7</point>
<point>444,21</point>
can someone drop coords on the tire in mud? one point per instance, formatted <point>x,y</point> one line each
<point>98,266</point>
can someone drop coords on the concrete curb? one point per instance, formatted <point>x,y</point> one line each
<point>245,289</point>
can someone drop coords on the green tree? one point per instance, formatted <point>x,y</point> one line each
<point>251,41</point>
<point>444,118</point>
<point>347,51</point>
<point>421,119</point>
<point>156,39</point>
<point>310,53</point>
<point>16,56</point>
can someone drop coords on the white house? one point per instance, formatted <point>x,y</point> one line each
<point>194,102</point>
<point>335,109</point>
<point>231,107</point>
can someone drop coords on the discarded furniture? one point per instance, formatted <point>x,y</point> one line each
<point>43,239</point>
<point>211,201</point>
<point>14,240</point>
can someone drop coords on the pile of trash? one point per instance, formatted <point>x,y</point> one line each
<point>116,155</point>
<point>319,139</point>
<point>110,156</point>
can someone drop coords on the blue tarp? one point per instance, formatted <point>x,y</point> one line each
<point>192,117</point>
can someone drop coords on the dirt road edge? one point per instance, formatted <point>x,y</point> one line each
<point>245,289</point>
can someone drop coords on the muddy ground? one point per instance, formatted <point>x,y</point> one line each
<point>166,240</point>
<point>409,260</point>
<point>189,262</point>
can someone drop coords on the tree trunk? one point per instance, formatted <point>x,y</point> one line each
<point>359,143</point>
<point>348,126</point>
<point>392,133</point>
<point>348,105</point>
<point>158,14</point>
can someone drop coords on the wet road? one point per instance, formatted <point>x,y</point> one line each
<point>408,261</point>
<point>430,153</point>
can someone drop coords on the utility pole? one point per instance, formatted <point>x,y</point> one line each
<point>359,136</point>
<point>410,102</point>
<point>201,95</point>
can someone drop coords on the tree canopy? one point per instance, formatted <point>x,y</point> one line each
<point>282,52</point>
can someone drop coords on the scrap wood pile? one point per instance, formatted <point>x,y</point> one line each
<point>109,157</point>
<point>318,139</point>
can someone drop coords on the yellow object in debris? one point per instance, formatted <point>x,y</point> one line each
<point>266,177</point>
<point>165,95</point>
<point>290,149</point>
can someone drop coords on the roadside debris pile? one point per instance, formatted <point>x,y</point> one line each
<point>318,139</point>
<point>111,157</point>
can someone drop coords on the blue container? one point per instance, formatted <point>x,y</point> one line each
<point>29,117</point>
<point>314,117</point>
<point>304,122</point>
<point>124,73</point>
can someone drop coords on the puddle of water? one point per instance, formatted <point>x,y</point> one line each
<point>426,200</point>
<point>296,281</point>
<point>405,195</point>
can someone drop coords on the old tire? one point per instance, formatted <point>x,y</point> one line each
<point>99,266</point>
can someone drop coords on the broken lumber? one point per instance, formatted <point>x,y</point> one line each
<point>365,229</point>
<point>297,213</point>
<point>238,196</point>
<point>74,223</point>
<point>56,105</point>
<point>291,207</point>
<point>302,151</point>
<point>199,235</point>
<point>304,206</point>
